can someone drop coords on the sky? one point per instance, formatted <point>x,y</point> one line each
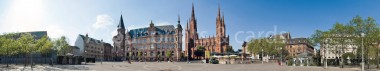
<point>245,19</point>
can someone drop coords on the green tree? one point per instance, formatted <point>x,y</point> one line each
<point>230,49</point>
<point>344,34</point>
<point>8,45</point>
<point>61,45</point>
<point>199,52</point>
<point>27,44</point>
<point>139,55</point>
<point>44,46</point>
<point>267,46</point>
<point>158,56</point>
<point>168,54</point>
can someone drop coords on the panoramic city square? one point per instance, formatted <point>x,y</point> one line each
<point>189,35</point>
<point>177,66</point>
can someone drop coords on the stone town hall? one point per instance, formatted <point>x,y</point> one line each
<point>214,44</point>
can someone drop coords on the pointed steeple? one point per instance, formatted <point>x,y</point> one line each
<point>179,19</point>
<point>193,22</point>
<point>218,10</point>
<point>192,12</point>
<point>187,25</point>
<point>121,23</point>
<point>223,24</point>
<point>151,23</point>
<point>219,27</point>
<point>179,22</point>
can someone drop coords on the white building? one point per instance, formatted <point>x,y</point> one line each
<point>335,51</point>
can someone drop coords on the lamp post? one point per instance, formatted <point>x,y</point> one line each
<point>262,56</point>
<point>85,57</point>
<point>325,51</point>
<point>31,60</point>
<point>281,56</point>
<point>51,57</point>
<point>187,59</point>
<point>145,57</point>
<point>31,57</point>
<point>362,36</point>
<point>377,55</point>
<point>101,58</point>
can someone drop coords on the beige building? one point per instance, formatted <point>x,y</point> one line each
<point>90,47</point>
<point>297,46</point>
<point>152,42</point>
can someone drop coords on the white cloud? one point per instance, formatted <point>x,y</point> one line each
<point>113,33</point>
<point>102,21</point>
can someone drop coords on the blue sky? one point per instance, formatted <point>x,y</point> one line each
<point>99,18</point>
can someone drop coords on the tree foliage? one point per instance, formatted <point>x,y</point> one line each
<point>168,54</point>
<point>268,46</point>
<point>61,45</point>
<point>45,46</point>
<point>139,54</point>
<point>229,49</point>
<point>24,44</point>
<point>200,52</point>
<point>343,35</point>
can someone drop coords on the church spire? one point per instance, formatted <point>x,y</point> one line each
<point>192,12</point>
<point>179,19</point>
<point>121,23</point>
<point>179,22</point>
<point>193,22</point>
<point>151,23</point>
<point>187,25</point>
<point>218,10</point>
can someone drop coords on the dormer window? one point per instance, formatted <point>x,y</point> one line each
<point>152,33</point>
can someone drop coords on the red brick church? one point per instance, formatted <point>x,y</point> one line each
<point>215,44</point>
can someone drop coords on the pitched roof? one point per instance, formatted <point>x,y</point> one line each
<point>89,39</point>
<point>283,35</point>
<point>121,23</point>
<point>298,41</point>
<point>160,30</point>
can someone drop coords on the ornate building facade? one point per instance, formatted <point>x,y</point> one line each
<point>153,42</point>
<point>214,44</point>
<point>298,47</point>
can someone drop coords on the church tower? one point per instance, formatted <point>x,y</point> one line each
<point>119,40</point>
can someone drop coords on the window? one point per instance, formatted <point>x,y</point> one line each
<point>172,39</point>
<point>152,46</point>
<point>158,39</point>
<point>151,39</point>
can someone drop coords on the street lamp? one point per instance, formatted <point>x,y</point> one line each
<point>85,57</point>
<point>362,36</point>
<point>187,59</point>
<point>262,56</point>
<point>51,57</point>
<point>325,49</point>
<point>145,57</point>
<point>281,56</point>
<point>101,59</point>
